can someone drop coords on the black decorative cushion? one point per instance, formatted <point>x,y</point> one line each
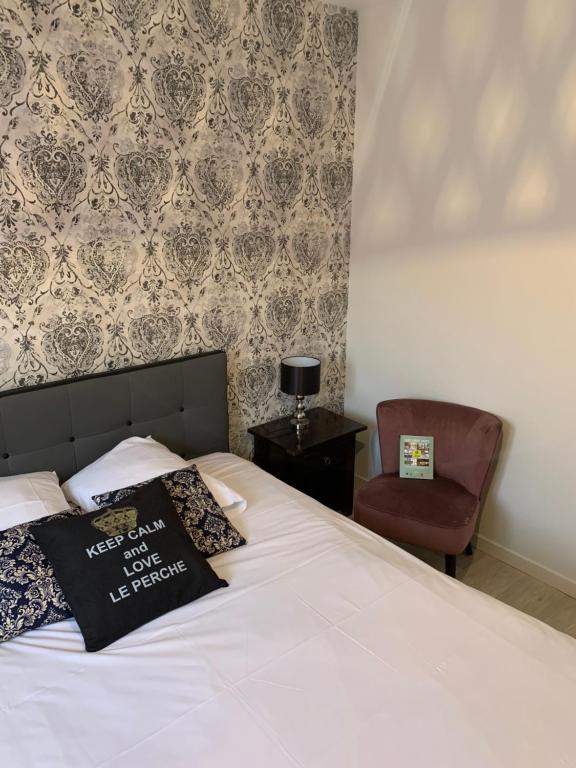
<point>124,565</point>
<point>30,596</point>
<point>208,526</point>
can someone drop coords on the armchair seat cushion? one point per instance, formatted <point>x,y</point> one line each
<point>438,514</point>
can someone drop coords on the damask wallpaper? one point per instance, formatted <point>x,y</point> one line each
<point>175,176</point>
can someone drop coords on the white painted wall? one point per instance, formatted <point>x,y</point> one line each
<point>463,269</point>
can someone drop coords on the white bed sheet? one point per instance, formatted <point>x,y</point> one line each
<point>331,648</point>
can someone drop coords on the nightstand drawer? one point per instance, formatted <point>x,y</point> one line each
<point>328,456</point>
<point>323,473</point>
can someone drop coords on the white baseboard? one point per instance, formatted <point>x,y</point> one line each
<point>508,556</point>
<point>526,565</point>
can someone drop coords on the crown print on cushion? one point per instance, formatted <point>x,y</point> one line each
<point>114,522</point>
<point>205,522</point>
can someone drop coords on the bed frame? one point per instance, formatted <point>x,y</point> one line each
<point>65,425</point>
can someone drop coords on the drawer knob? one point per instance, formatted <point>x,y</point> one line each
<point>327,460</point>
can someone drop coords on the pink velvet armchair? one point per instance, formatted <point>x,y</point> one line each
<point>439,514</point>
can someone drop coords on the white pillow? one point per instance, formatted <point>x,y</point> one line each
<point>27,497</point>
<point>133,461</point>
<point>227,499</point>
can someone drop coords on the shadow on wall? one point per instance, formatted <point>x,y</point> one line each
<point>474,130</point>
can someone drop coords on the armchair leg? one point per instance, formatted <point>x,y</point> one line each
<point>450,561</point>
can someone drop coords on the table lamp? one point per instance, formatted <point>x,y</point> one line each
<point>300,376</point>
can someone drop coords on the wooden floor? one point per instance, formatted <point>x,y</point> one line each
<point>513,587</point>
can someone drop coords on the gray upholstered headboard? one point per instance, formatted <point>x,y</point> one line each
<point>65,425</point>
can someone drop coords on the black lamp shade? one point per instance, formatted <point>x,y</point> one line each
<point>300,375</point>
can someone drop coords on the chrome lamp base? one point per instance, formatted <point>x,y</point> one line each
<point>299,418</point>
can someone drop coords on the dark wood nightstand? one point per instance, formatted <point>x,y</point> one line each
<point>320,463</point>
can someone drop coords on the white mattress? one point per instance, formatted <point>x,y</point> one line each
<point>331,648</point>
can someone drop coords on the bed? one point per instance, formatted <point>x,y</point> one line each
<point>331,646</point>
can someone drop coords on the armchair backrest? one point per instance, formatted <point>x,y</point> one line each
<point>466,440</point>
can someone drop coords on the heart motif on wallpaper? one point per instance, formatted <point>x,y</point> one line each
<point>187,254</point>
<point>283,23</point>
<point>212,16</point>
<point>309,248</point>
<point>53,168</point>
<point>256,382</point>
<point>73,347</point>
<point>22,268</point>
<point>283,312</point>
<point>12,70</point>
<point>253,252</point>
<point>107,263</point>
<point>312,103</point>
<point>216,176</point>
<point>341,35</point>
<point>89,82</point>
<point>144,176</point>
<point>154,336</point>
<point>332,308</point>
<point>134,13</point>
<point>56,173</point>
<point>180,91</point>
<point>224,324</point>
<point>336,181</point>
<point>251,99</point>
<point>283,178</point>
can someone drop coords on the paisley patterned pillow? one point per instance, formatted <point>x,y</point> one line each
<point>30,596</point>
<point>205,522</point>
